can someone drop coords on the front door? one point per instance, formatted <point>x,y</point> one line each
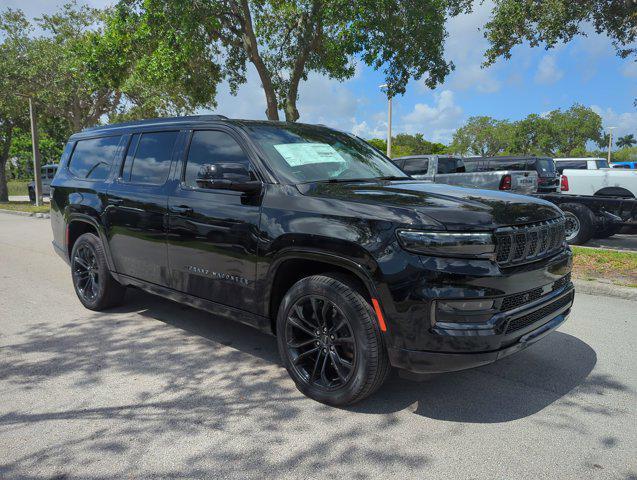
<point>136,213</point>
<point>213,233</point>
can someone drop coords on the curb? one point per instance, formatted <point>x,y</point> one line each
<point>606,289</point>
<point>25,214</point>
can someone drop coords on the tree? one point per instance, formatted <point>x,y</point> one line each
<point>405,144</point>
<point>572,129</point>
<point>13,109</point>
<point>285,40</point>
<point>626,141</point>
<point>482,135</point>
<point>550,23</point>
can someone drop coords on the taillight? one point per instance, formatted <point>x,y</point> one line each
<point>505,183</point>
<point>564,183</point>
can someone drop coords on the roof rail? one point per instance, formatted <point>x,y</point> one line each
<point>155,121</point>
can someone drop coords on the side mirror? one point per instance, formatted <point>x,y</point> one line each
<point>227,176</point>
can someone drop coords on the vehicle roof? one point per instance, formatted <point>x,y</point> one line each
<point>444,155</point>
<point>509,158</point>
<point>178,121</point>
<point>564,159</point>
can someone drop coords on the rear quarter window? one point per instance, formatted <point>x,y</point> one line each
<point>92,159</point>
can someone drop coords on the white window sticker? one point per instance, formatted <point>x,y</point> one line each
<point>296,154</point>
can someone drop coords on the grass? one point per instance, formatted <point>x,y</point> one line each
<point>25,207</point>
<point>595,264</point>
<point>18,187</point>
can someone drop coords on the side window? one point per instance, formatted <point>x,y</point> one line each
<point>416,166</point>
<point>92,159</point>
<point>148,157</point>
<point>446,165</point>
<point>214,148</point>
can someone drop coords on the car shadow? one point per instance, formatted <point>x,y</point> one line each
<point>512,388</point>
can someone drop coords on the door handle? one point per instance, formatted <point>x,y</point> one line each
<point>181,209</point>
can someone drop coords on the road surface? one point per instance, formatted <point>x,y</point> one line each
<point>155,389</point>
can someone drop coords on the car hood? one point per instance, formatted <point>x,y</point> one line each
<point>456,208</point>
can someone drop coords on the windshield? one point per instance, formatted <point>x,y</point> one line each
<point>303,153</point>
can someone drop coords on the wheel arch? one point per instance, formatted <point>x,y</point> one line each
<point>78,224</point>
<point>614,192</point>
<point>293,265</point>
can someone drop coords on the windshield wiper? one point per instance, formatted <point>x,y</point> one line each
<point>393,177</point>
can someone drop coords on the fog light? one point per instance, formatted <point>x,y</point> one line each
<point>462,311</point>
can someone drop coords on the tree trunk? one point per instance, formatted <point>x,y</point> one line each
<point>4,156</point>
<point>252,47</point>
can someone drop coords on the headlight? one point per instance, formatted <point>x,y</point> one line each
<point>448,244</point>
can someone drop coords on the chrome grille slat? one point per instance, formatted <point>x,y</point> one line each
<point>526,243</point>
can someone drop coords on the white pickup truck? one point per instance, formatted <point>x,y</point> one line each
<point>604,182</point>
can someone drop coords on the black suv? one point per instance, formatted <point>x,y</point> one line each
<point>314,236</point>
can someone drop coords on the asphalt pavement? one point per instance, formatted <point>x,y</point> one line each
<point>154,389</point>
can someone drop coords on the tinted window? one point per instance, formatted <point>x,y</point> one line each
<point>450,165</point>
<point>602,163</point>
<point>148,158</point>
<point>545,167</point>
<point>571,165</point>
<point>92,158</point>
<point>516,165</point>
<point>416,166</point>
<point>211,147</point>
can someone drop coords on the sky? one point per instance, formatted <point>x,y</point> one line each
<point>534,80</point>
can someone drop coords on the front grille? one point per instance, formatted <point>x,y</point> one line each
<point>526,243</point>
<point>517,300</point>
<point>531,318</point>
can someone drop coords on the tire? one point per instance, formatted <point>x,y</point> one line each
<point>92,280</point>
<point>31,195</point>
<point>319,304</point>
<point>583,221</point>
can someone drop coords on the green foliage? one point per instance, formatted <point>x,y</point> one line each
<point>405,144</point>
<point>553,22</point>
<point>482,135</point>
<point>626,141</point>
<point>626,154</point>
<point>285,40</point>
<point>559,133</point>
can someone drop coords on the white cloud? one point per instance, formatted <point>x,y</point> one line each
<point>547,71</point>
<point>630,70</point>
<point>437,121</point>
<point>624,123</point>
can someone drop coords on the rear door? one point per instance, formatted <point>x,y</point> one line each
<point>137,207</point>
<point>213,233</point>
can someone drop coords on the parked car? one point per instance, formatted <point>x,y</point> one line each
<point>47,173</point>
<point>310,234</point>
<point>607,182</point>
<point>548,178</point>
<point>581,163</point>
<point>625,165</point>
<point>455,171</point>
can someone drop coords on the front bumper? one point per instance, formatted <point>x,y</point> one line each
<point>532,322</point>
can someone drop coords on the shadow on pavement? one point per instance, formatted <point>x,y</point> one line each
<point>195,374</point>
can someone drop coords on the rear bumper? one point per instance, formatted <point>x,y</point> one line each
<point>437,362</point>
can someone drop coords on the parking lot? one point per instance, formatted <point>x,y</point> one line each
<point>156,389</point>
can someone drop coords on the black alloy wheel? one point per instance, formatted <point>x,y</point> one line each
<point>86,273</point>
<point>330,341</point>
<point>94,285</point>
<point>320,342</point>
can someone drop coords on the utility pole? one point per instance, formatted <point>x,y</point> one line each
<point>36,151</point>
<point>389,117</point>
<point>610,141</point>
